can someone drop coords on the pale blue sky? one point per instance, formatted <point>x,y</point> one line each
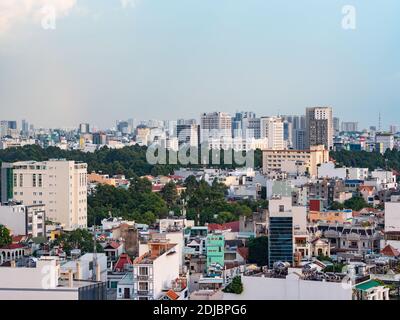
<point>169,59</point>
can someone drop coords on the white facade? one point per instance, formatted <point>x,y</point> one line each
<point>328,170</point>
<point>357,173</point>
<point>59,184</point>
<point>272,129</point>
<point>43,282</point>
<point>291,288</point>
<point>386,139</point>
<point>24,220</point>
<point>392,216</point>
<point>155,273</point>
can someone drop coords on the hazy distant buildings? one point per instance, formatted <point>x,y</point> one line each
<point>84,128</point>
<point>336,125</point>
<point>298,127</point>
<point>319,127</point>
<point>216,125</point>
<point>349,126</point>
<point>188,134</point>
<point>384,141</point>
<point>272,129</point>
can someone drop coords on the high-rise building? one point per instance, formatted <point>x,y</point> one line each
<point>393,129</point>
<point>25,128</point>
<point>215,125</point>
<point>99,138</point>
<point>298,126</point>
<point>123,127</point>
<point>58,184</point>
<point>272,129</point>
<point>84,128</point>
<point>336,125</point>
<point>319,127</point>
<point>280,231</point>
<point>349,126</point>
<point>188,134</point>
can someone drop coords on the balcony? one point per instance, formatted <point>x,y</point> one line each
<point>143,277</point>
<point>144,292</point>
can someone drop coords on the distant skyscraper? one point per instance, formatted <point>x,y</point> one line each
<point>216,125</point>
<point>298,130</point>
<point>123,127</point>
<point>319,123</point>
<point>99,138</point>
<point>25,127</point>
<point>393,129</point>
<point>336,125</point>
<point>272,129</point>
<point>188,134</point>
<point>84,128</point>
<point>349,126</point>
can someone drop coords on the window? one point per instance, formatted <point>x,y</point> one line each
<point>21,180</point>
<point>34,183</point>
<point>40,180</point>
<point>143,271</point>
<point>15,179</point>
<point>281,208</point>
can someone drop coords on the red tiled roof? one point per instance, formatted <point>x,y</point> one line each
<point>244,252</point>
<point>390,251</point>
<point>13,246</point>
<point>172,294</point>
<point>233,226</point>
<point>157,187</point>
<point>113,244</point>
<point>17,239</point>
<point>122,261</point>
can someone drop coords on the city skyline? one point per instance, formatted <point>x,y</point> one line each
<point>137,59</point>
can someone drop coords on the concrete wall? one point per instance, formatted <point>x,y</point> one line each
<point>291,288</point>
<point>392,216</point>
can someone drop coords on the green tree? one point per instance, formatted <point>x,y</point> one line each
<point>5,237</point>
<point>236,286</point>
<point>258,251</point>
<point>77,239</point>
<point>170,194</point>
<point>356,203</point>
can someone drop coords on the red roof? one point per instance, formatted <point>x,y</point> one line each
<point>18,239</point>
<point>13,246</point>
<point>244,252</point>
<point>122,261</point>
<point>113,244</point>
<point>233,226</point>
<point>157,187</point>
<point>390,251</point>
<point>172,294</point>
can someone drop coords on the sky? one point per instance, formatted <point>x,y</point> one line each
<point>167,59</point>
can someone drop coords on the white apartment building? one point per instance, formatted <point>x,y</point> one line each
<point>357,173</point>
<point>60,185</point>
<point>276,160</point>
<point>24,220</point>
<point>386,139</point>
<point>272,129</point>
<point>46,281</point>
<point>153,273</point>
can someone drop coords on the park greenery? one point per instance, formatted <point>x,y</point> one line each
<point>390,160</point>
<point>201,201</point>
<point>130,161</point>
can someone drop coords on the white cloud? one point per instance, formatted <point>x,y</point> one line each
<point>13,12</point>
